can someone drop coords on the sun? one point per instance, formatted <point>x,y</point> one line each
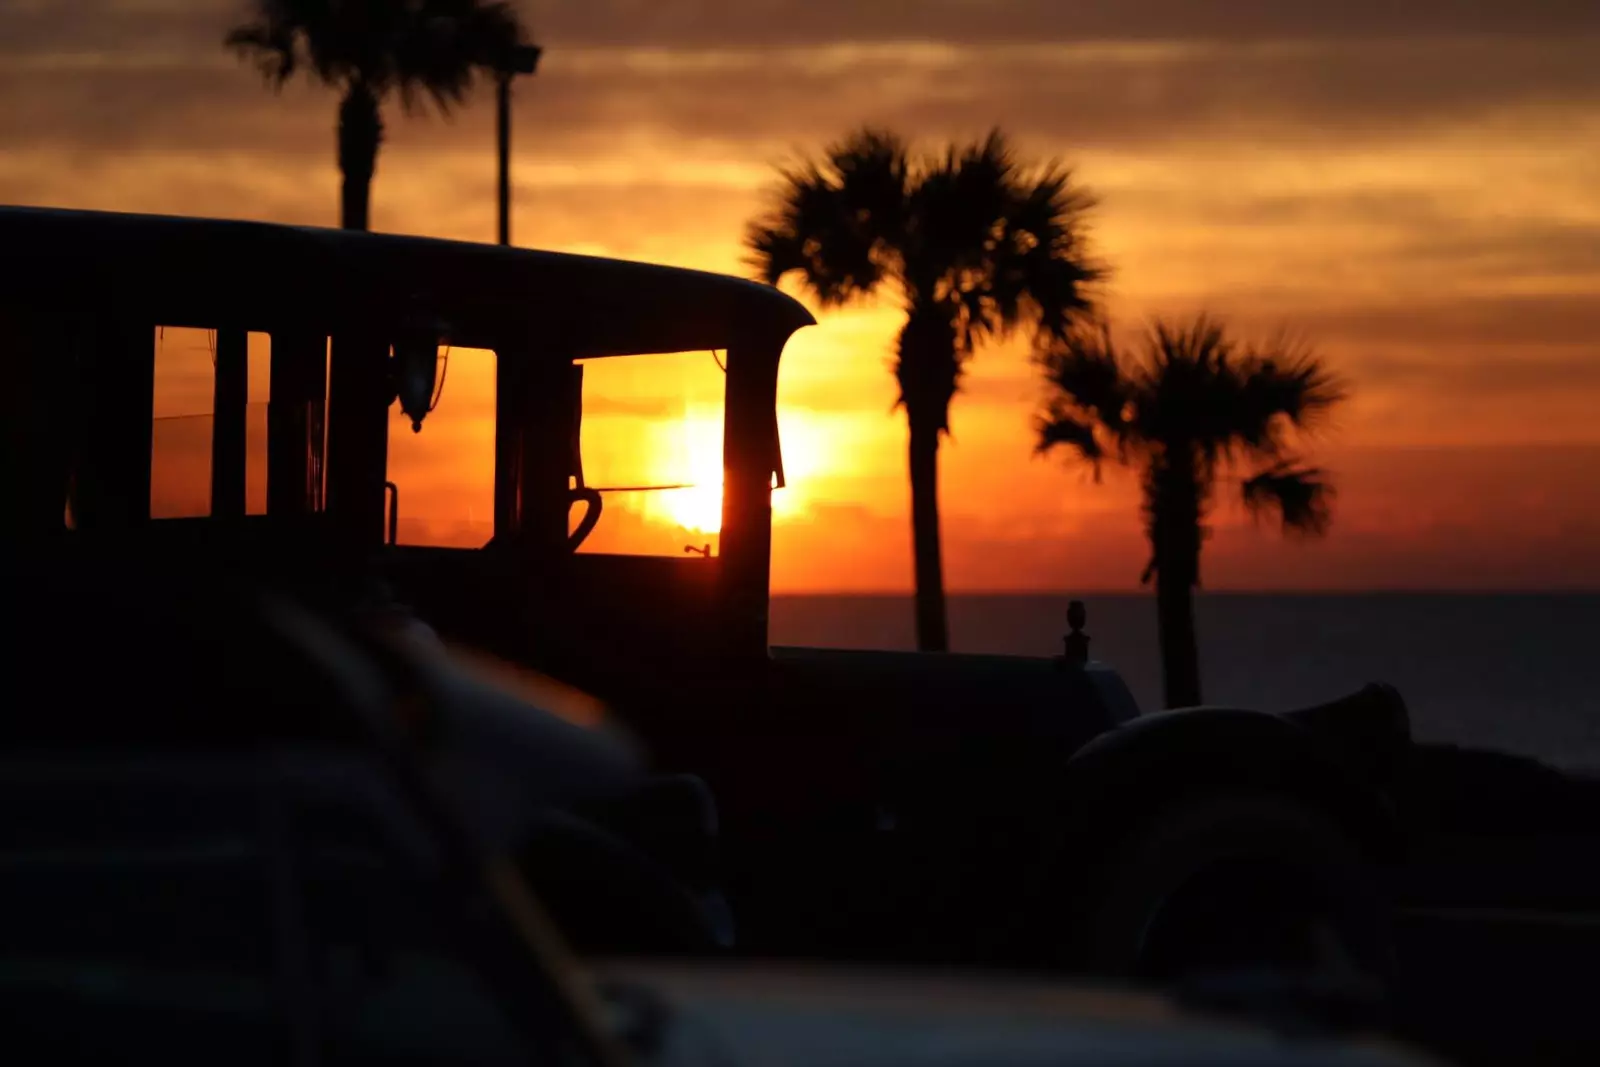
<point>695,458</point>
<point>691,454</point>
<point>698,509</point>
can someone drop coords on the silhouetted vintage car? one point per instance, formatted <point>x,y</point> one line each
<point>287,837</point>
<point>1006,811</point>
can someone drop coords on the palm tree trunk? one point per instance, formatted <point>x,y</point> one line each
<point>1180,649</point>
<point>927,372</point>
<point>360,134</point>
<point>933,633</point>
<point>1173,516</point>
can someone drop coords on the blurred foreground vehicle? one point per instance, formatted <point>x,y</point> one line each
<point>945,809</point>
<point>238,831</point>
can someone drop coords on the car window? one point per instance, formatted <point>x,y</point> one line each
<point>651,442</point>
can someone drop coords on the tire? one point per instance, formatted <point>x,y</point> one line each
<point>1236,882</point>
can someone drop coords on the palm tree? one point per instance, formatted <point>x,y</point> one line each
<point>973,244</point>
<point>369,49</point>
<point>1190,410</point>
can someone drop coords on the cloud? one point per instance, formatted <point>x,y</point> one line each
<point>1496,374</point>
<point>1513,518</point>
<point>166,81</point>
<point>732,23</point>
<point>1505,319</point>
<point>182,25</point>
<point>1410,185</point>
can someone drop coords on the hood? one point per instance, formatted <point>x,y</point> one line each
<point>782,1016</point>
<point>962,692</point>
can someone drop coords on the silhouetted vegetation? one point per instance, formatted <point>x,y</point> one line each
<point>1188,409</point>
<point>973,243</point>
<point>371,49</point>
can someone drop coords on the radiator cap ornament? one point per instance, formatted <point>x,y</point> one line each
<point>1075,645</point>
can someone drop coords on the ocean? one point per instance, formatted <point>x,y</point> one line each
<point>1514,672</point>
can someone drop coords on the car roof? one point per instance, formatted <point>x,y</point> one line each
<point>262,276</point>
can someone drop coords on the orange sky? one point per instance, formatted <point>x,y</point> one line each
<point>1416,190</point>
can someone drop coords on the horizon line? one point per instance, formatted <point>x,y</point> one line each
<point>885,594</point>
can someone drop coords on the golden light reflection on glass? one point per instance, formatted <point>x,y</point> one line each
<point>652,443</point>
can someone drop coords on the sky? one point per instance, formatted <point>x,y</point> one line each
<point>1415,188</point>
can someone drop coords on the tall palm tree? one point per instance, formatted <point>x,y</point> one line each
<point>972,243</point>
<point>1189,410</point>
<point>369,49</point>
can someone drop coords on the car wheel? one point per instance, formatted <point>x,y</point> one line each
<point>1233,883</point>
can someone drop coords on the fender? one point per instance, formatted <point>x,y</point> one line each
<point>1125,774</point>
<point>1156,759</point>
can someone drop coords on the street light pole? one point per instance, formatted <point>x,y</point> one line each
<point>522,59</point>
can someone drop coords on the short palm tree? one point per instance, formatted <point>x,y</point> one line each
<point>972,243</point>
<point>1190,410</point>
<point>369,49</point>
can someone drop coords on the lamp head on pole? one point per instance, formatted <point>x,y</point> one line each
<point>520,59</point>
<point>414,367</point>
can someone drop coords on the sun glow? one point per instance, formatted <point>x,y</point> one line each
<point>698,510</point>
<point>696,458</point>
<point>644,431</point>
<point>693,455</point>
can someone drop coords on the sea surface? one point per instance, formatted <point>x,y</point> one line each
<point>1515,672</point>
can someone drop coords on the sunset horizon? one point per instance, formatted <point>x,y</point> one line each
<point>1419,196</point>
<point>811,507</point>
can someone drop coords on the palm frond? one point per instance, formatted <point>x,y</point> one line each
<point>1301,498</point>
<point>1041,271</point>
<point>1186,403</point>
<point>1001,243</point>
<point>275,58</point>
<point>772,249</point>
<point>872,169</point>
<point>810,233</point>
<point>1091,401</point>
<point>349,41</point>
<point>1183,410</point>
<point>450,44</point>
<point>837,221</point>
<point>1062,427</point>
<point>422,48</point>
<point>271,39</point>
<point>1286,379</point>
<point>969,230</point>
<point>1085,370</point>
<point>954,210</point>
